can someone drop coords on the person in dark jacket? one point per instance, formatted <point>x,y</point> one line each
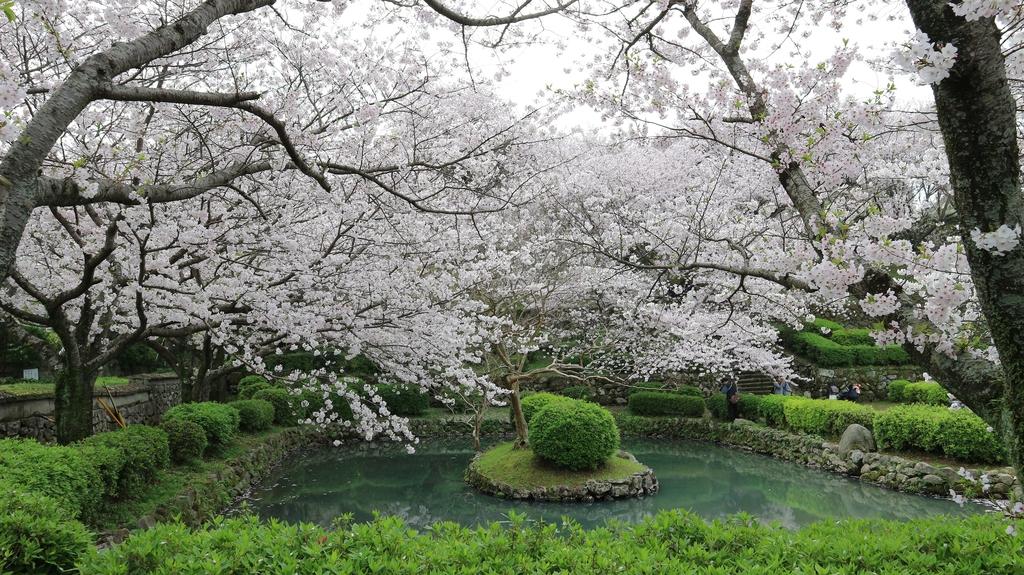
<point>852,393</point>
<point>732,400</point>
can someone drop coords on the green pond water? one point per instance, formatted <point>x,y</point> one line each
<point>711,481</point>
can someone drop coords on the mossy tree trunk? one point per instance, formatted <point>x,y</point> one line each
<point>522,433</point>
<point>73,403</point>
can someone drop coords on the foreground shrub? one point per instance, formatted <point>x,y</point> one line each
<point>954,433</point>
<point>897,390</point>
<point>36,535</point>
<point>574,434</point>
<point>187,439</point>
<point>664,403</point>
<point>68,475</point>
<point>254,414</point>
<point>826,416</point>
<point>927,392</point>
<point>250,384</point>
<point>669,542</point>
<point>404,400</point>
<point>965,436</point>
<point>141,452</point>
<point>533,402</point>
<point>578,392</point>
<point>718,405</point>
<point>218,420</point>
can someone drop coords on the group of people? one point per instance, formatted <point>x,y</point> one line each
<point>732,394</point>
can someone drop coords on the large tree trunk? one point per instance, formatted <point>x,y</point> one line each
<point>977,117</point>
<point>72,407</point>
<point>522,434</point>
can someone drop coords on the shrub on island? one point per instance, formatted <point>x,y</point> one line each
<point>664,403</point>
<point>534,401</point>
<point>573,434</point>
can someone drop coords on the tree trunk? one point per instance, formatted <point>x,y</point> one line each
<point>977,117</point>
<point>522,434</point>
<point>72,406</point>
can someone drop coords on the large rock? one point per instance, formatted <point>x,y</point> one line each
<point>856,437</point>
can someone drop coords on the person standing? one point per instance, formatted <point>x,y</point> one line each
<point>732,400</point>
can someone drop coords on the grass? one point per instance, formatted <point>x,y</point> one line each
<point>172,482</point>
<point>521,468</point>
<point>23,387</point>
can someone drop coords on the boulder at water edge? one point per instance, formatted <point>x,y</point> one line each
<point>857,437</point>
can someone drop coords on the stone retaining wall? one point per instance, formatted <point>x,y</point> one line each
<point>891,471</point>
<point>873,380</point>
<point>143,400</point>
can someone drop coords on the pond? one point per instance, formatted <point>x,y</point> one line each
<point>709,480</point>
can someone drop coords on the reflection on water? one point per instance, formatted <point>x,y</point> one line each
<point>706,479</point>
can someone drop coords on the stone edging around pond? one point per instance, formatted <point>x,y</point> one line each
<point>638,484</point>
<point>890,471</point>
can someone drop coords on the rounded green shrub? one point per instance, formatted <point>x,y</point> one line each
<point>285,404</point>
<point>578,392</point>
<point>404,400</point>
<point>533,402</point>
<point>772,409</point>
<point>664,403</point>
<point>750,406</point>
<point>910,427</point>
<point>36,534</point>
<point>250,384</point>
<point>965,436</point>
<point>186,438</point>
<point>218,420</point>
<point>71,476</point>
<point>897,390</point>
<point>927,392</point>
<point>574,434</point>
<point>311,402</point>
<point>718,405</point>
<point>254,414</point>
<point>142,452</point>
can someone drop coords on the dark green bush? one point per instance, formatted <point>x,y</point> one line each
<point>927,392</point>
<point>404,400</point>
<point>218,420</point>
<point>897,390</point>
<point>772,409</point>
<point>254,414</point>
<point>718,405</point>
<point>36,534</point>
<point>750,406</point>
<point>250,384</point>
<point>574,434</point>
<point>664,403</point>
<point>142,452</point>
<point>689,390</point>
<point>578,392</point>
<point>311,402</point>
<point>69,475</point>
<point>286,406</point>
<point>531,403</point>
<point>186,438</point>
<point>671,542</point>
<point>852,336</point>
<point>954,433</point>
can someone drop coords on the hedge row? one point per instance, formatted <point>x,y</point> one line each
<point>825,352</point>
<point>669,542</point>
<point>664,403</point>
<point>927,392</point>
<point>955,433</point>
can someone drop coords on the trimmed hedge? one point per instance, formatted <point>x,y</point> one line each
<point>954,433</point>
<point>186,438</point>
<point>689,390</point>
<point>718,405</point>
<point>286,405</point>
<point>71,476</point>
<point>254,414</point>
<point>927,392</point>
<point>749,406</point>
<point>141,452</point>
<point>404,400</point>
<point>36,535</point>
<point>574,434</point>
<point>897,390</point>
<point>664,403</point>
<point>772,409</point>
<point>670,542</point>
<point>852,336</point>
<point>250,384</point>
<point>825,352</point>
<point>533,402</point>
<point>825,416</point>
<point>218,420</point>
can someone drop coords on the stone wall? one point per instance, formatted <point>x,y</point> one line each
<point>143,400</point>
<point>891,471</point>
<point>873,380</point>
